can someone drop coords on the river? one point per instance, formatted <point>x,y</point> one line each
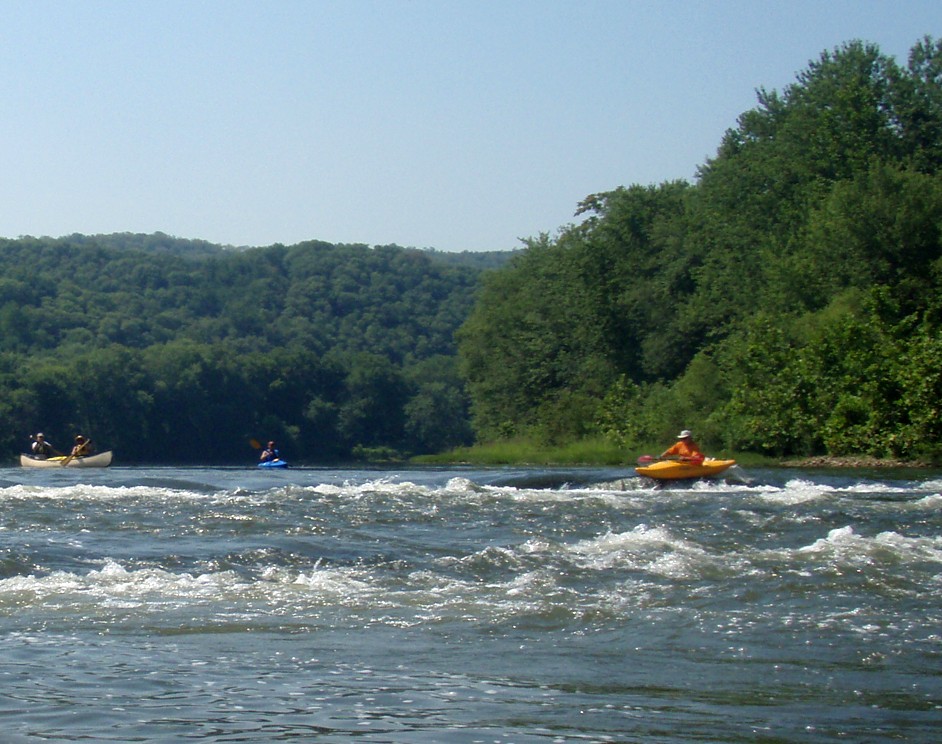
<point>512,605</point>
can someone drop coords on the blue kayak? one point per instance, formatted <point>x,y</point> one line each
<point>278,463</point>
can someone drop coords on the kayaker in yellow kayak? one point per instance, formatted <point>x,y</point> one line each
<point>684,449</point>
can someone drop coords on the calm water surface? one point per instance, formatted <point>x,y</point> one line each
<point>451,605</point>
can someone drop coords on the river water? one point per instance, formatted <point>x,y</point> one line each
<point>469,605</point>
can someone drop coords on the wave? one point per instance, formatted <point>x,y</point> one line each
<point>615,574</point>
<point>844,545</point>
<point>407,497</point>
<point>656,551</point>
<point>88,492</point>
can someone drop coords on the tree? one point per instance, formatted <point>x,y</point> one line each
<point>371,414</point>
<point>770,303</point>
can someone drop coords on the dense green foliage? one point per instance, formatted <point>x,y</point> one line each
<point>179,351</point>
<point>788,302</point>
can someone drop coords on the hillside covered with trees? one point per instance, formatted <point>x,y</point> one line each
<point>787,302</point>
<point>170,350</point>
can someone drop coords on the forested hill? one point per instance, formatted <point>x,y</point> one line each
<point>181,351</point>
<point>68,294</point>
<point>158,242</point>
<point>788,302</point>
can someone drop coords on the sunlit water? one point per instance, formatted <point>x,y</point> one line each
<point>498,606</point>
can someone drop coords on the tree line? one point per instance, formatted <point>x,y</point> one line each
<point>169,350</point>
<point>787,302</point>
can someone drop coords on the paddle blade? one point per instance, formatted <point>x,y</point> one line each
<point>646,458</point>
<point>254,444</point>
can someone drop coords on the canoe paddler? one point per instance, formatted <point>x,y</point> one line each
<point>43,449</point>
<point>684,449</point>
<point>83,447</point>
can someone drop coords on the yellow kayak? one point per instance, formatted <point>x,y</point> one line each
<point>677,470</point>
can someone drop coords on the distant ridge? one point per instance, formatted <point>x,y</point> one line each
<point>160,243</point>
<point>157,243</point>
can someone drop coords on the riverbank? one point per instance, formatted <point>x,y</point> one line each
<point>603,453</point>
<point>523,452</point>
<point>854,461</point>
<point>590,452</point>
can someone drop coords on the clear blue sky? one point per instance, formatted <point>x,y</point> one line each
<point>456,125</point>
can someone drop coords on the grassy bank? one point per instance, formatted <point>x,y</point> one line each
<point>599,452</point>
<point>526,452</point>
<point>584,452</point>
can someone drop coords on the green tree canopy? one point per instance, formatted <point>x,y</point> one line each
<point>777,304</point>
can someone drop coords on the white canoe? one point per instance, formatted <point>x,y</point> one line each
<point>101,460</point>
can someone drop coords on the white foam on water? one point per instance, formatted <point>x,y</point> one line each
<point>797,491</point>
<point>87,492</point>
<point>114,583</point>
<point>462,485</point>
<point>530,495</point>
<point>367,489</point>
<point>655,550</point>
<point>933,501</point>
<point>542,574</point>
<point>339,584</point>
<point>845,546</point>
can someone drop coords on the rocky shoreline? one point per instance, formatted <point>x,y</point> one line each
<point>856,461</point>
